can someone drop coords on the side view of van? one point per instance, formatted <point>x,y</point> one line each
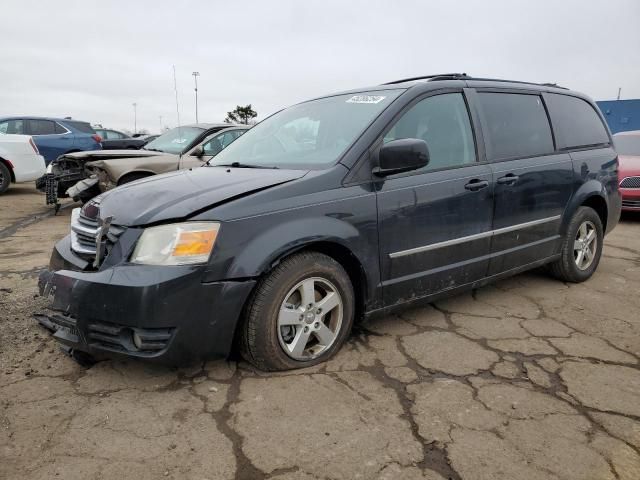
<point>342,207</point>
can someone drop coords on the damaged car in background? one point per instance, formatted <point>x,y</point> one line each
<point>83,175</point>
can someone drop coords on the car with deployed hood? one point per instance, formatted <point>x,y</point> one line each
<point>83,175</point>
<point>343,207</point>
<point>628,148</point>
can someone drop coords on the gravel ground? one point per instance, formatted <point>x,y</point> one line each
<point>526,379</point>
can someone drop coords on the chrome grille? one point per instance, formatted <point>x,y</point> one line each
<point>84,235</point>
<point>630,182</point>
<point>631,203</point>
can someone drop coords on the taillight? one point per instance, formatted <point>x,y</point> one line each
<point>33,145</point>
<point>97,138</point>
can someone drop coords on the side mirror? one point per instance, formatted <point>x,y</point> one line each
<point>402,156</point>
<point>198,151</point>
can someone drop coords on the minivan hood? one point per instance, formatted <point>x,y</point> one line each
<point>183,193</point>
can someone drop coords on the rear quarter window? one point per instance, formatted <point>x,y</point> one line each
<point>516,124</point>
<point>576,122</point>
<point>83,127</point>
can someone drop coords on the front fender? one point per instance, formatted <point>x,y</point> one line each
<point>266,249</point>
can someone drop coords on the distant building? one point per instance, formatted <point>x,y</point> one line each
<point>621,115</point>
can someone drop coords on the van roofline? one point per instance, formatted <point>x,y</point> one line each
<point>464,76</point>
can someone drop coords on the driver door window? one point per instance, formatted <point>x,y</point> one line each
<point>443,122</point>
<point>216,144</point>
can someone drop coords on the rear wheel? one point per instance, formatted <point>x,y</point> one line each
<point>581,248</point>
<point>299,315</point>
<point>5,177</point>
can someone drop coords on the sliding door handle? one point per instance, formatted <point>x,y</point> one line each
<point>508,179</point>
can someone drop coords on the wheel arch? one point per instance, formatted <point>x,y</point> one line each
<point>331,248</point>
<point>331,236</point>
<point>345,257</point>
<point>143,172</point>
<point>591,194</point>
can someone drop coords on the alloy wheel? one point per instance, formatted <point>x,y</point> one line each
<point>310,318</point>
<point>585,245</point>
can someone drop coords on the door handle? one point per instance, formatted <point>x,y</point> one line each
<point>476,184</point>
<point>508,179</point>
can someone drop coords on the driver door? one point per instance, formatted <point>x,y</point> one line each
<point>435,223</point>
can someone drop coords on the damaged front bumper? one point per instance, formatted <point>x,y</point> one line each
<point>163,314</point>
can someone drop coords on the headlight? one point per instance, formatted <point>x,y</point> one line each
<point>176,244</point>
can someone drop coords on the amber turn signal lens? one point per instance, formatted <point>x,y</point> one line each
<point>195,243</point>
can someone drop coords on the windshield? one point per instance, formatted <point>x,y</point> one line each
<point>627,144</point>
<point>175,140</point>
<point>311,135</point>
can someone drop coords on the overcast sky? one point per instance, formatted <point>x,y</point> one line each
<point>92,60</point>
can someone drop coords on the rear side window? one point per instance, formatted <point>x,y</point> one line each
<point>576,121</point>
<point>84,127</point>
<point>113,135</point>
<point>517,125</point>
<point>60,128</point>
<point>42,127</point>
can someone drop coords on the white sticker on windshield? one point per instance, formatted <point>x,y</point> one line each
<point>179,140</point>
<point>366,99</point>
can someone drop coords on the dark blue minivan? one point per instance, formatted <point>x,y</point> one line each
<point>54,136</point>
<point>339,208</point>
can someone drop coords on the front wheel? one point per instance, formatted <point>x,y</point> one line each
<point>581,247</point>
<point>299,315</point>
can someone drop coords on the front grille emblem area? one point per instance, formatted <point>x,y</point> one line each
<point>103,229</point>
<point>92,237</point>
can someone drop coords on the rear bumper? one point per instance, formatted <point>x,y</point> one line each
<point>177,318</point>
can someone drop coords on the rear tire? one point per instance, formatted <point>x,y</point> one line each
<point>5,178</point>
<point>299,315</point>
<point>581,248</point>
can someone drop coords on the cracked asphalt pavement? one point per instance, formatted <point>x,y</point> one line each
<point>528,379</point>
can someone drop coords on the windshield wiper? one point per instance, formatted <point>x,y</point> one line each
<point>242,165</point>
<point>152,149</point>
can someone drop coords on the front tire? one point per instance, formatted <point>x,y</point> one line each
<point>581,247</point>
<point>299,315</point>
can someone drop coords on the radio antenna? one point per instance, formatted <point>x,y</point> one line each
<point>175,88</point>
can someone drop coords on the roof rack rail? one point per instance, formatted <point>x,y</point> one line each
<point>448,76</point>
<point>516,81</point>
<point>464,76</point>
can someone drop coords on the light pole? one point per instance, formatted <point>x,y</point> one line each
<point>135,117</point>
<point>195,78</point>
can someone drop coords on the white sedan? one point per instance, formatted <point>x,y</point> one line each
<point>20,160</point>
